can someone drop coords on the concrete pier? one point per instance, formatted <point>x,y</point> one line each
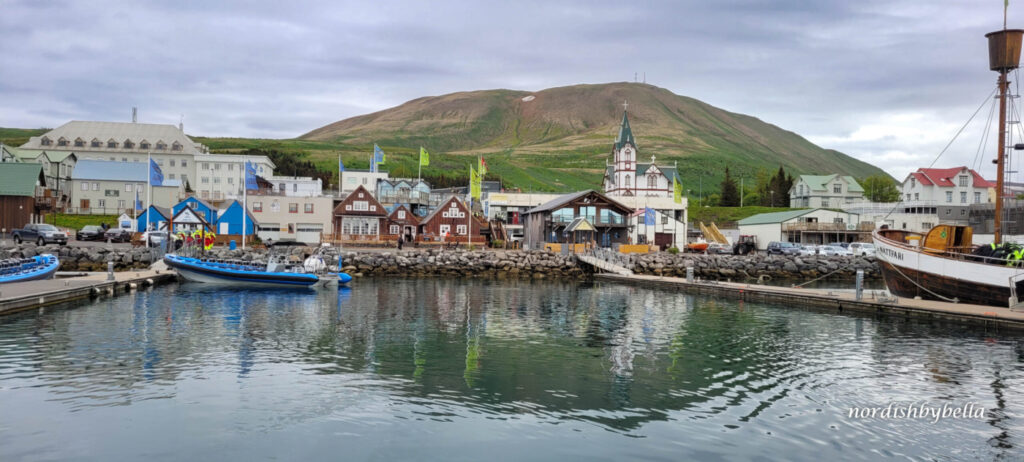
<point>29,295</point>
<point>837,301</point>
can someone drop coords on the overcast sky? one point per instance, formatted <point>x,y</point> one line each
<point>886,81</point>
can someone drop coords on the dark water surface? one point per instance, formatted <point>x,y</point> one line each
<point>477,370</point>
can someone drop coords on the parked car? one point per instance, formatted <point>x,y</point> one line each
<point>40,233</point>
<point>866,249</point>
<point>845,245</point>
<point>117,235</point>
<point>154,238</point>
<point>807,250</point>
<point>719,249</point>
<point>782,248</point>
<point>89,233</point>
<point>833,250</point>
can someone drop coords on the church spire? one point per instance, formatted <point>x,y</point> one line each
<point>625,133</point>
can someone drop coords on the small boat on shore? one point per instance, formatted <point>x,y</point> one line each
<point>275,273</point>
<point>697,247</point>
<point>28,269</point>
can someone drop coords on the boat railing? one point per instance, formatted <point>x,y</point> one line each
<point>957,253</point>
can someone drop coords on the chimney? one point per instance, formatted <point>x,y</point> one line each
<point>135,114</point>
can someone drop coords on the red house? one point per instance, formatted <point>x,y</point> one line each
<point>359,217</point>
<point>401,222</point>
<point>449,223</point>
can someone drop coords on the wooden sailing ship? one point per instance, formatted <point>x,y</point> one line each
<point>943,263</point>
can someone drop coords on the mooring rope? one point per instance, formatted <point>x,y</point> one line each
<point>954,299</point>
<point>797,286</point>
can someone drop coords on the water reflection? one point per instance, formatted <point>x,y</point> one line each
<point>571,357</point>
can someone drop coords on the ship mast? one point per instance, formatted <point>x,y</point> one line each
<point>1004,56</point>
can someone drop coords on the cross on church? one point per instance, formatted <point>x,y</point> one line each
<point>625,105</point>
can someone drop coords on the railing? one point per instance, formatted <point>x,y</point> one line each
<point>613,257</point>
<point>411,197</point>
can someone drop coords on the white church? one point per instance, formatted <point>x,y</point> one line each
<point>645,185</point>
<point>627,177</point>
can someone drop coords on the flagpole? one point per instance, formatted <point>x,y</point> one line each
<point>245,201</point>
<point>149,189</point>
<point>419,175</point>
<point>339,174</point>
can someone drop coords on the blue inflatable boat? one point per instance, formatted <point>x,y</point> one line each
<point>236,272</point>
<point>28,269</point>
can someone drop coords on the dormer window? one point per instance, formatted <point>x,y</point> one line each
<point>963,180</point>
<point>176,146</point>
<point>144,144</point>
<point>128,144</point>
<point>837,188</point>
<point>111,143</point>
<point>45,141</point>
<point>62,142</point>
<point>161,145</point>
<point>79,143</point>
<point>95,143</point>
<point>913,182</point>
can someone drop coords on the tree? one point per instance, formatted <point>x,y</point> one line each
<point>773,190</point>
<point>880,188</point>
<point>730,194</point>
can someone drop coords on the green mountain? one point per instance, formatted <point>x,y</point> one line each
<point>565,134</point>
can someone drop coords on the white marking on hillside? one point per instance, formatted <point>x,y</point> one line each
<point>527,99</point>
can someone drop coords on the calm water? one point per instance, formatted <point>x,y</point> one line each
<point>470,370</point>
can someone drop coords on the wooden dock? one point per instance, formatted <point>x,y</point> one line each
<point>29,295</point>
<point>837,301</point>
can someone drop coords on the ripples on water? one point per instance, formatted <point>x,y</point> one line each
<point>436,369</point>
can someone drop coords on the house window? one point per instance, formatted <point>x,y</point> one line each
<point>172,162</point>
<point>280,187</point>
<point>652,181</point>
<point>444,229</point>
<point>85,186</point>
<point>977,198</point>
<point>275,207</point>
<point>963,180</point>
<point>913,183</point>
<point>111,144</point>
<point>460,229</point>
<point>926,225</point>
<point>837,220</point>
<point>120,204</point>
<point>216,180</point>
<point>172,176</point>
<point>949,212</point>
<point>295,187</point>
<point>95,186</point>
<point>308,208</point>
<point>231,180</point>
<point>95,143</point>
<point>144,144</point>
<point>176,147</point>
<point>360,206</point>
<point>393,229</point>
<point>257,206</point>
<point>206,165</point>
<point>629,181</point>
<point>63,142</point>
<point>664,219</point>
<point>45,141</point>
<point>184,163</point>
<point>824,202</point>
<point>293,207</point>
<point>124,159</point>
<point>231,167</point>
<point>837,188</point>
<point>205,180</point>
<point>401,214</point>
<point>216,166</point>
<point>128,187</point>
<point>161,145</point>
<point>908,197</point>
<point>963,212</point>
<point>917,196</point>
<point>963,197</point>
<point>102,203</point>
<point>128,144</point>
<point>949,196</point>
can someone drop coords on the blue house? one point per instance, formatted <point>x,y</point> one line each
<point>229,221</point>
<point>157,217</point>
<point>200,206</point>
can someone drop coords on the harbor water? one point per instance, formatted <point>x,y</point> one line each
<point>436,369</point>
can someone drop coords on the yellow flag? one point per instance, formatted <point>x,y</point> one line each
<point>424,157</point>
<point>474,183</point>
<point>677,190</point>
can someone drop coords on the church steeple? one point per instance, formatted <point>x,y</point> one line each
<point>625,133</point>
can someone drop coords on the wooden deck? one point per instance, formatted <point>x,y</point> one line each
<point>838,301</point>
<point>29,295</point>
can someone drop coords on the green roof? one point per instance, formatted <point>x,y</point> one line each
<point>822,181</point>
<point>54,156</point>
<point>774,217</point>
<point>669,171</point>
<point>18,179</point>
<point>625,133</point>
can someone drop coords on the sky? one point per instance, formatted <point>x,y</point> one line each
<point>889,82</point>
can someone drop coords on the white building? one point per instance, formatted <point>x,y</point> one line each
<point>825,191</point>
<point>669,220</point>
<point>221,177</point>
<point>297,186</point>
<point>627,177</point>
<point>352,179</point>
<point>810,226</point>
<point>284,218</point>
<point>957,186</point>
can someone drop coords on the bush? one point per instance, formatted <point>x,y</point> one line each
<point>673,250</point>
<point>497,243</point>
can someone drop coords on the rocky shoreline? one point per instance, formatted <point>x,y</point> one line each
<point>490,264</point>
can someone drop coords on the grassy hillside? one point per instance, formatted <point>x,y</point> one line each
<point>19,136</point>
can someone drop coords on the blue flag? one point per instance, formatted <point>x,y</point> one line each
<point>250,176</point>
<point>138,203</point>
<point>648,216</point>
<point>341,166</point>
<point>156,176</point>
<point>378,158</point>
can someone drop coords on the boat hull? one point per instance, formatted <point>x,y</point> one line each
<point>44,268</point>
<point>195,271</point>
<point>910,272</point>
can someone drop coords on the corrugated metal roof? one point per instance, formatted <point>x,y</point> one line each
<point>820,182</point>
<point>19,179</point>
<point>119,132</point>
<point>105,170</point>
<point>774,217</point>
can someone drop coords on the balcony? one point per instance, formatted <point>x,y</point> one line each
<point>411,197</point>
<point>805,226</point>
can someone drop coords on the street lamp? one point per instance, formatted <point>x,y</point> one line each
<point>773,198</point>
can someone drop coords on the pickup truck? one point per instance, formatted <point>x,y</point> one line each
<point>40,233</point>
